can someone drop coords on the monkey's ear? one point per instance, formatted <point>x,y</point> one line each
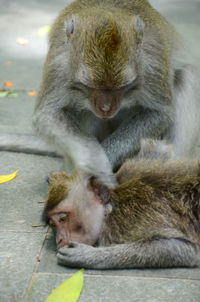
<point>69,27</point>
<point>100,190</point>
<point>139,25</point>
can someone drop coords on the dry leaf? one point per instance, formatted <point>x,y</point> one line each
<point>69,290</point>
<point>22,41</point>
<point>32,93</point>
<point>8,84</point>
<point>6,178</point>
<point>9,63</point>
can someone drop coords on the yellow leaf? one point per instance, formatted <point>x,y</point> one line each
<point>44,31</point>
<point>6,178</point>
<point>69,290</point>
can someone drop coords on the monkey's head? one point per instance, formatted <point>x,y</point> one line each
<point>75,208</point>
<point>106,67</point>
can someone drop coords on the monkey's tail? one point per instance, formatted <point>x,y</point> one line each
<point>24,143</point>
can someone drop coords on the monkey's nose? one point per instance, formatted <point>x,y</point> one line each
<point>60,243</point>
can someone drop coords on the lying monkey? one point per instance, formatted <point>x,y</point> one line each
<point>151,218</point>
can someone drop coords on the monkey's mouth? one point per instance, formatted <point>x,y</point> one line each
<point>62,244</point>
<point>105,110</point>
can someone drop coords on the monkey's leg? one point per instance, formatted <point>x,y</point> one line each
<point>60,129</point>
<point>156,253</point>
<point>126,139</point>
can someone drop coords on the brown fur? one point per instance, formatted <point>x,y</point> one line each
<point>153,200</point>
<point>59,186</point>
<point>97,30</point>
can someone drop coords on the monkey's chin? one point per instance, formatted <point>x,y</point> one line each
<point>105,116</point>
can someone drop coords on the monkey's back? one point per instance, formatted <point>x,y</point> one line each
<point>155,200</point>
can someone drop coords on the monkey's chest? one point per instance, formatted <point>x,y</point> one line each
<point>102,129</point>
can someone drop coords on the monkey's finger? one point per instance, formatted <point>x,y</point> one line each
<point>65,259</point>
<point>76,244</point>
<point>63,250</point>
<point>68,261</point>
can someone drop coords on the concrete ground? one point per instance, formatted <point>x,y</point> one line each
<point>28,265</point>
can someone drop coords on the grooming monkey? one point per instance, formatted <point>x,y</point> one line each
<point>150,219</point>
<point>111,78</point>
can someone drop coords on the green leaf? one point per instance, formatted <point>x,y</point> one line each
<point>12,95</point>
<point>3,94</point>
<point>69,290</point>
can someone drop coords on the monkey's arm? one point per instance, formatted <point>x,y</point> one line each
<point>155,253</point>
<point>126,139</point>
<point>58,127</point>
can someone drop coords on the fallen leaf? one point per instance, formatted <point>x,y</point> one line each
<point>9,63</point>
<point>44,30</point>
<point>32,93</point>
<point>8,84</point>
<point>6,178</point>
<point>69,290</point>
<point>12,94</point>
<point>22,41</point>
<point>15,297</point>
<point>3,94</point>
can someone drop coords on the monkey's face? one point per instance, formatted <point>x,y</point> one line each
<point>78,217</point>
<point>105,103</point>
<point>107,66</point>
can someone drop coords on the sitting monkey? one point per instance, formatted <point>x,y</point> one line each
<point>150,219</point>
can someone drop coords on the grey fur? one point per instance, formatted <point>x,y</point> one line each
<point>25,143</point>
<point>156,253</point>
<point>64,118</point>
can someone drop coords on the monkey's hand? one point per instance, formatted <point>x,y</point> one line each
<point>77,255</point>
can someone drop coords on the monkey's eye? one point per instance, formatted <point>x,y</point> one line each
<point>79,87</point>
<point>76,88</point>
<point>132,86</point>
<point>63,217</point>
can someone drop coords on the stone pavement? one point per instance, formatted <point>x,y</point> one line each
<point>28,265</point>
